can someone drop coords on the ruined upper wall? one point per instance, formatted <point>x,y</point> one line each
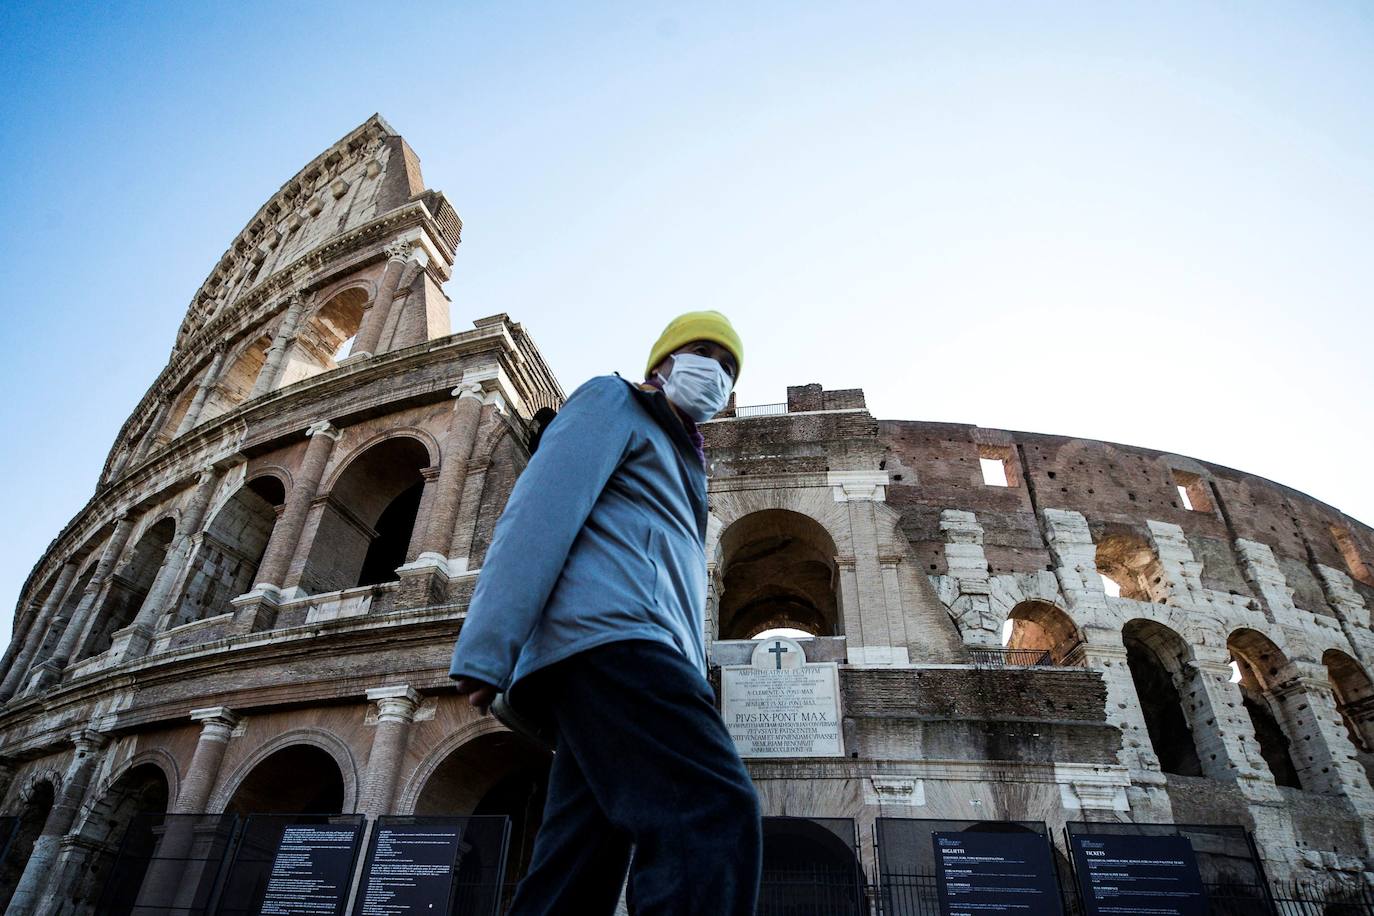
<point>935,466</point>
<point>367,173</point>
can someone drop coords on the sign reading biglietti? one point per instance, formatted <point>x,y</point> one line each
<point>781,705</point>
<point>980,874</point>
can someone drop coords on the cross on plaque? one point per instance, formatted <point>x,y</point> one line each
<point>777,650</point>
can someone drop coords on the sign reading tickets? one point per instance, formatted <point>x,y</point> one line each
<point>1123,875</point>
<point>781,705</point>
<point>984,873</point>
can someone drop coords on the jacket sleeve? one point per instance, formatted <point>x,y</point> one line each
<point>551,500</point>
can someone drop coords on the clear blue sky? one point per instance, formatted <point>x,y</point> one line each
<point>1150,223</point>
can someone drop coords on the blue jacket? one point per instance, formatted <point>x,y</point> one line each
<point>602,540</point>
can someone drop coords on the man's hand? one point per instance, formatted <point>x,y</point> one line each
<point>479,693</point>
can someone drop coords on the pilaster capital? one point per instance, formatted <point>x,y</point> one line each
<point>430,473</point>
<point>468,390</point>
<point>323,427</point>
<point>88,740</point>
<point>396,703</point>
<point>217,723</point>
<point>398,250</point>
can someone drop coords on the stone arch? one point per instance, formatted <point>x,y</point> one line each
<point>1043,626</point>
<point>1263,667</point>
<point>238,373</point>
<point>434,455</point>
<point>134,802</point>
<point>777,568</point>
<point>282,475</point>
<point>232,545</point>
<point>130,584</point>
<point>1128,560</point>
<point>320,335</point>
<point>487,725</point>
<point>1354,691</point>
<point>809,867</point>
<point>36,800</point>
<point>180,406</point>
<point>489,772</point>
<point>158,758</point>
<point>327,742</point>
<point>1159,662</point>
<point>369,515</point>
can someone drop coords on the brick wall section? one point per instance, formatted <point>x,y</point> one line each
<point>1117,488</point>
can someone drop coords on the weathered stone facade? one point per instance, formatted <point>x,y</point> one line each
<point>254,611</point>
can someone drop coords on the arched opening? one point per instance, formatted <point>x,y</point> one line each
<point>1262,665</point>
<point>129,587</point>
<point>493,774</point>
<point>300,779</point>
<point>32,816</point>
<point>1127,561</point>
<point>134,801</point>
<point>172,422</point>
<point>231,549</point>
<point>1038,628</point>
<point>1158,660</point>
<point>368,520</point>
<point>320,338</point>
<point>810,866</point>
<point>236,379</point>
<point>1354,693</point>
<point>777,570</point>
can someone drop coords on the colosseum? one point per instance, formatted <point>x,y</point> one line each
<point>248,625</point>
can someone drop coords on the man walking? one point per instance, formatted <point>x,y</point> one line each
<point>588,614</point>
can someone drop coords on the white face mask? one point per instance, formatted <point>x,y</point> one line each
<point>698,386</point>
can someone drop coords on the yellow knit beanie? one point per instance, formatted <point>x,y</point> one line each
<point>684,329</point>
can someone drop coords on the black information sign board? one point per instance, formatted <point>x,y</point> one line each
<point>984,873</point>
<point>1123,875</point>
<point>410,869</point>
<point>311,870</point>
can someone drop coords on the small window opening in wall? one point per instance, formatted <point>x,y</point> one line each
<point>1007,627</point>
<point>1193,491</point>
<point>1110,587</point>
<point>994,472</point>
<point>1235,672</point>
<point>1354,560</point>
<point>996,464</point>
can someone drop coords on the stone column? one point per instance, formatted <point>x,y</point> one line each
<point>207,385</point>
<point>145,445</point>
<point>133,641</point>
<point>374,318</point>
<point>281,343</point>
<point>19,665</point>
<point>1319,743</point>
<point>462,436</point>
<point>394,335</point>
<point>424,581</point>
<point>35,637</point>
<point>217,724</point>
<point>257,610</point>
<point>395,712</point>
<point>51,669</point>
<point>168,873</point>
<point>40,867</point>
<point>460,548</point>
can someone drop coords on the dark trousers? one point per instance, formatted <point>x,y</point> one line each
<point>642,759</point>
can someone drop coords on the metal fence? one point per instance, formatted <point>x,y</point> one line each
<point>761,410</point>
<point>1324,898</point>
<point>989,657</point>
